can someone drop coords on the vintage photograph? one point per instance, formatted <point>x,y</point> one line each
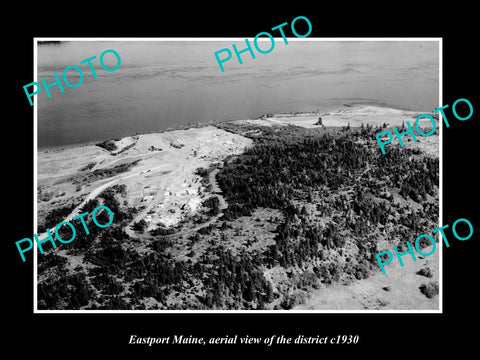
<point>258,188</point>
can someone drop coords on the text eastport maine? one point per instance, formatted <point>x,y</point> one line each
<point>246,340</point>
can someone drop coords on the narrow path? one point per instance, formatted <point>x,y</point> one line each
<point>95,192</point>
<point>159,197</point>
<point>100,165</point>
<point>215,190</point>
<point>212,178</point>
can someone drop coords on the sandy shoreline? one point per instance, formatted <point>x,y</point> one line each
<point>64,173</point>
<point>158,172</point>
<point>161,172</point>
<point>325,109</point>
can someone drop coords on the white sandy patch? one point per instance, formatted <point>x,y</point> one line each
<point>355,115</point>
<point>368,294</point>
<point>64,162</point>
<point>124,142</point>
<point>163,183</point>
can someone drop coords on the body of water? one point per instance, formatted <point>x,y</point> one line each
<point>163,84</point>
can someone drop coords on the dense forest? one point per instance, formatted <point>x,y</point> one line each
<point>343,176</point>
<point>335,197</point>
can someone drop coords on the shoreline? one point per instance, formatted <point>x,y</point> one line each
<point>326,109</point>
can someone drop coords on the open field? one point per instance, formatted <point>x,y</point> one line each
<point>355,116</point>
<point>398,289</point>
<point>160,175</point>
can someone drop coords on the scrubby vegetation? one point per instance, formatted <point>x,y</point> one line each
<point>352,184</point>
<point>55,216</point>
<point>109,172</point>
<point>139,226</point>
<point>212,204</point>
<point>89,166</point>
<point>108,145</point>
<point>328,199</point>
<point>427,272</point>
<point>232,281</point>
<point>51,261</point>
<point>429,290</point>
<point>70,292</point>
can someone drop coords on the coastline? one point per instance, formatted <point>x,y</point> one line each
<point>160,181</point>
<point>330,106</point>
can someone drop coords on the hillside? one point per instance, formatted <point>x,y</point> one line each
<point>252,214</point>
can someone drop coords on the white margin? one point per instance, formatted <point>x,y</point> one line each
<point>353,39</point>
<point>440,156</point>
<point>35,179</point>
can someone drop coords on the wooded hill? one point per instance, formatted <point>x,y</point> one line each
<point>335,198</point>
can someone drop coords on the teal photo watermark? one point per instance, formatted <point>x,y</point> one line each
<point>388,256</point>
<point>227,53</point>
<point>384,141</point>
<point>58,83</point>
<point>49,237</point>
